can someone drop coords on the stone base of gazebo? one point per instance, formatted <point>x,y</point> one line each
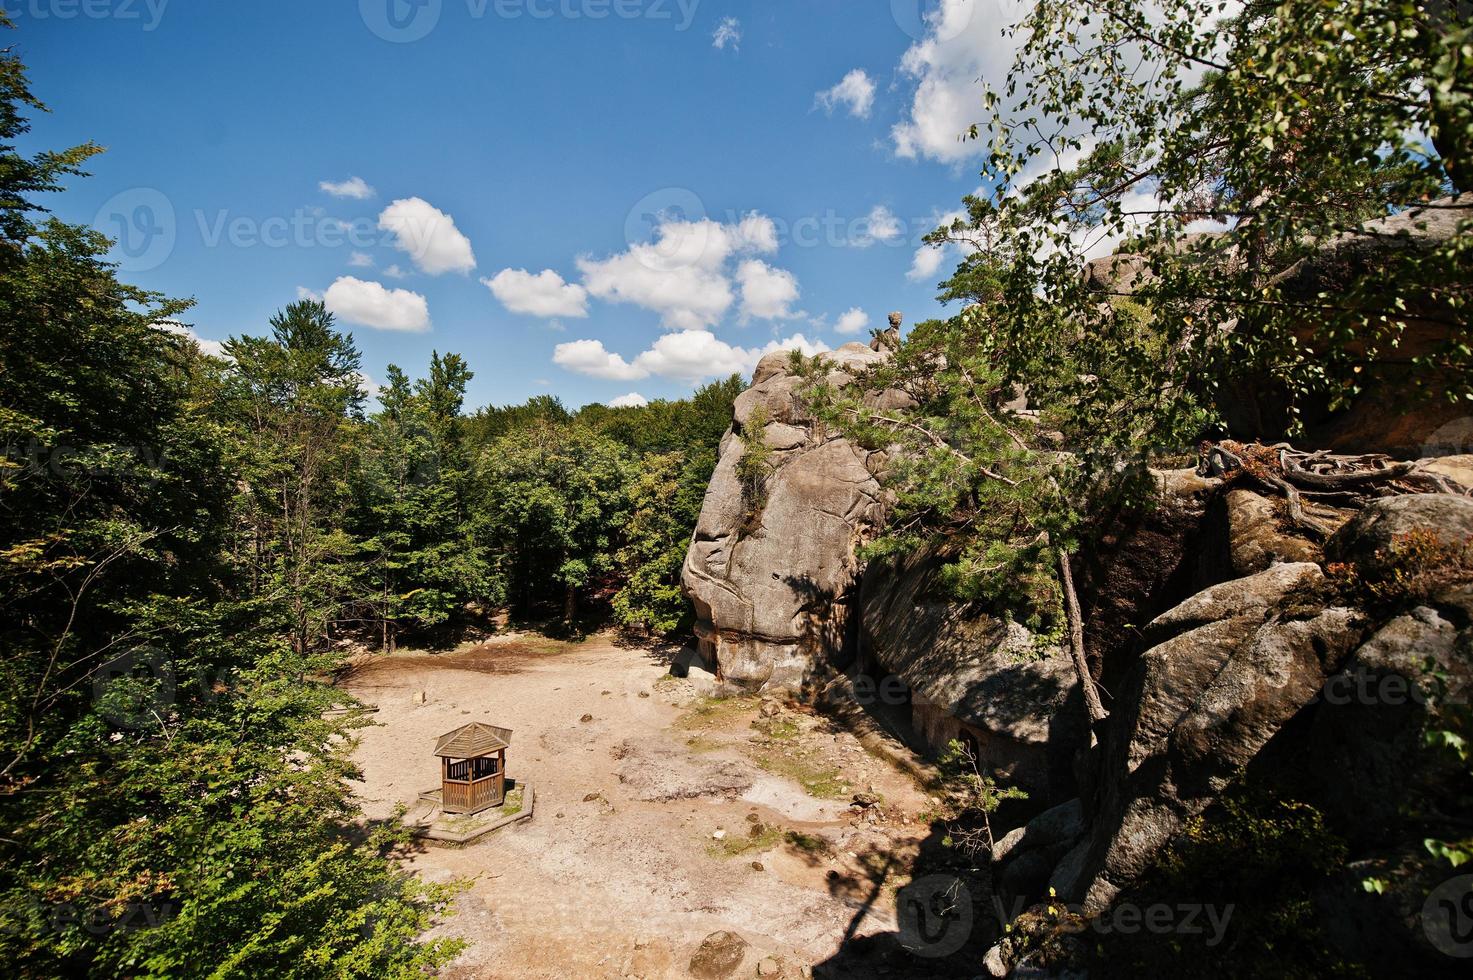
<point>457,830</point>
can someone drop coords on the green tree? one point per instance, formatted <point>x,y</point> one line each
<point>414,486</point>
<point>556,507</point>
<point>173,799</point>
<point>294,397</point>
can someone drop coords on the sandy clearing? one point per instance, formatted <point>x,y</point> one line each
<point>618,886</point>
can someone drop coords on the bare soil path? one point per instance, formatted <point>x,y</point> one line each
<point>665,816</point>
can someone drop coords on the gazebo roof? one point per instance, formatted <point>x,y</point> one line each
<point>472,741</point>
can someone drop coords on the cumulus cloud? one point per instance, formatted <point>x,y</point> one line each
<point>369,304</point>
<point>355,188</point>
<point>880,225</point>
<point>589,357</point>
<point>211,347</point>
<point>303,293</point>
<point>395,272</point>
<point>632,400</point>
<point>767,293</point>
<point>361,260</point>
<point>428,236</point>
<point>855,91</point>
<point>964,42</point>
<point>687,355</point>
<point>682,273</point>
<point>545,294</point>
<point>728,34</point>
<point>853,321</point>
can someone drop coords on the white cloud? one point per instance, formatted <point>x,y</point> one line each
<point>687,355</point>
<point>429,236</point>
<point>632,400</point>
<point>964,45</point>
<point>395,272</point>
<point>361,260</point>
<point>880,225</point>
<point>303,293</point>
<point>544,294</point>
<point>371,389</point>
<point>682,273</point>
<point>927,262</point>
<point>767,293</point>
<point>211,347</point>
<point>354,187</point>
<point>855,91</point>
<point>853,321</point>
<point>728,32</point>
<point>589,357</point>
<point>369,304</point>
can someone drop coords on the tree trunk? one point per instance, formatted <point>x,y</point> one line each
<point>1097,712</point>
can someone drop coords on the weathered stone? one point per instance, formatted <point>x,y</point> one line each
<point>1230,668</point>
<point>771,579</point>
<point>1118,275</point>
<point>972,676</point>
<point>1254,539</point>
<point>719,956</point>
<point>1255,596</point>
<point>1382,521</point>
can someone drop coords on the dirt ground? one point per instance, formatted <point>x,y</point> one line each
<point>662,814</point>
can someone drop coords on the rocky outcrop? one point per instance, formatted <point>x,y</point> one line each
<point>972,677</point>
<point>1393,412</point>
<point>1226,671</point>
<point>772,577</point>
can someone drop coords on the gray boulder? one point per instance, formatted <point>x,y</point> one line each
<point>1228,668</point>
<point>1382,521</point>
<point>772,580</point>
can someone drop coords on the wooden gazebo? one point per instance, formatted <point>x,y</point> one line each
<point>473,767</point>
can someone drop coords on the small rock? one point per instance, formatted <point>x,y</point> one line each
<point>768,967</point>
<point>719,956</point>
<point>757,866</point>
<point>641,942</point>
<point>606,692</point>
<point>592,796</point>
<point>421,698</point>
<point>644,694</point>
<point>586,718</point>
<point>769,709</point>
<point>752,818</point>
<point>719,835</point>
<point>560,814</point>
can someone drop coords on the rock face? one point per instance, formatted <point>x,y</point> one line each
<point>772,580</point>
<point>1382,521</point>
<point>1224,673</point>
<point>1227,669</point>
<point>972,677</point>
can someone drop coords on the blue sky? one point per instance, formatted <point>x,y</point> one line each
<point>677,190</point>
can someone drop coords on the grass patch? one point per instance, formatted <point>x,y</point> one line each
<point>714,712</point>
<point>697,743</point>
<point>512,804</point>
<point>760,838</point>
<point>777,728</point>
<point>666,682</point>
<point>819,781</point>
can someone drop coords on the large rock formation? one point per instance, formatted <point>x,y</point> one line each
<point>772,575</point>
<point>989,683</point>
